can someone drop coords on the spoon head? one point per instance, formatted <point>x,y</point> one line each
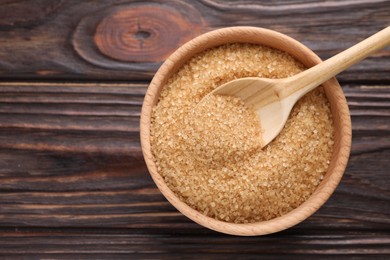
<point>264,96</point>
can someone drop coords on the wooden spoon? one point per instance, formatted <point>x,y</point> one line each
<point>273,99</point>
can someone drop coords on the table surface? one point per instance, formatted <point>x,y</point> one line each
<point>73,183</point>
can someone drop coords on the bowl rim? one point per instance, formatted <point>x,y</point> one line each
<point>308,58</point>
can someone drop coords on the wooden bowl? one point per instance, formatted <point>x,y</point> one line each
<point>334,93</point>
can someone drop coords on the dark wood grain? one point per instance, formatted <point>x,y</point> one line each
<point>150,245</point>
<point>127,40</point>
<point>73,183</point>
<point>23,14</point>
<point>73,161</point>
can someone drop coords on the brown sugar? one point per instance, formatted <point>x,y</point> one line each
<point>210,127</point>
<point>210,154</point>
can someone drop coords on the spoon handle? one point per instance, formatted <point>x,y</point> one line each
<point>315,76</point>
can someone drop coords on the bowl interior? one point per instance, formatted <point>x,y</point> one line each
<point>333,91</point>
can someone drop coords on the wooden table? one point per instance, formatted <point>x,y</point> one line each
<point>73,183</point>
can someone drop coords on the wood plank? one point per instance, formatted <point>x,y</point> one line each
<point>70,157</point>
<point>127,40</point>
<point>145,243</point>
